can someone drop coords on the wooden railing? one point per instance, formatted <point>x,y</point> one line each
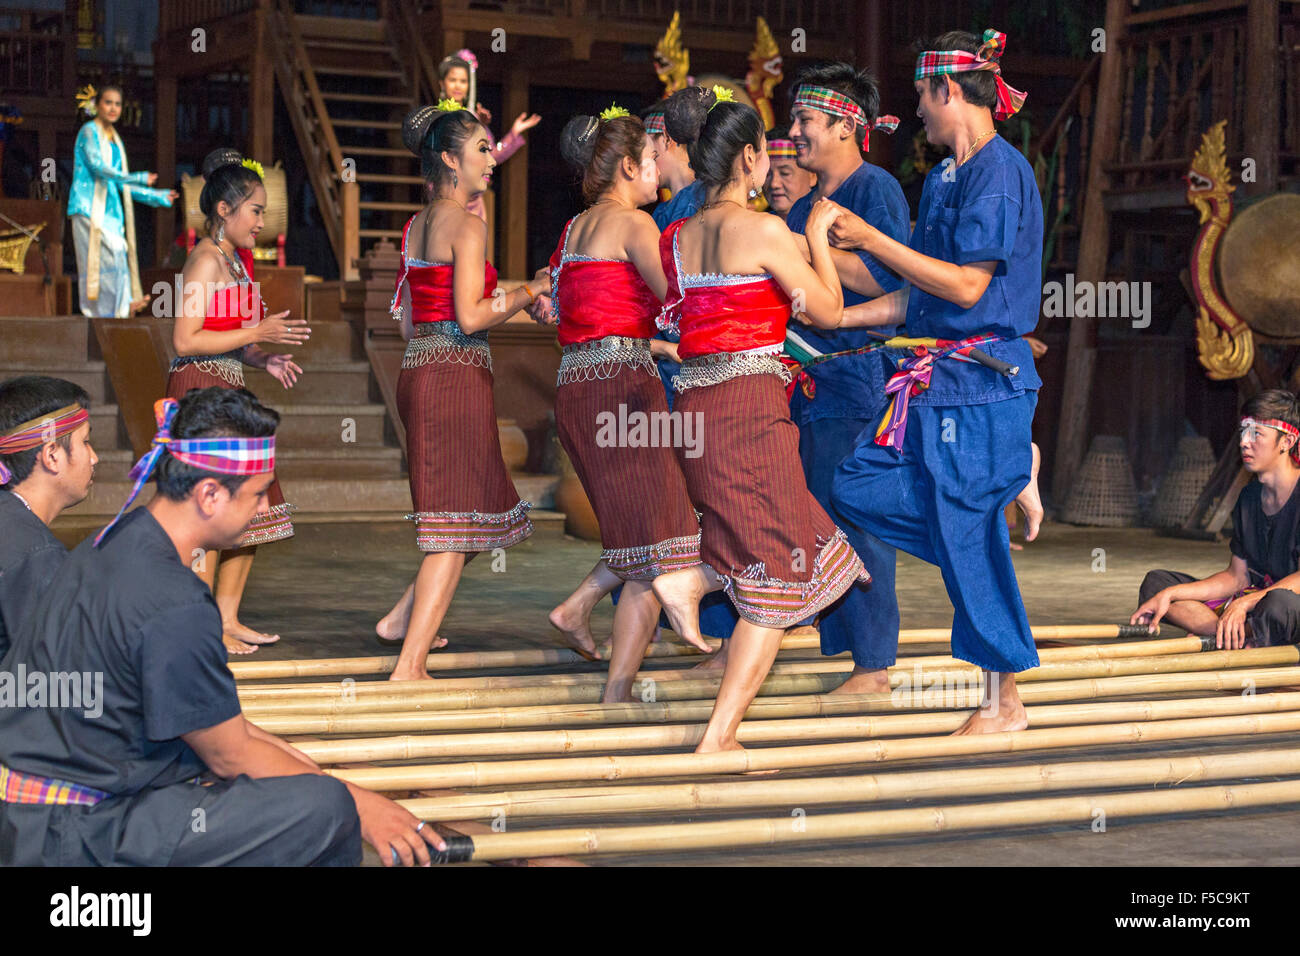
<point>181,14</point>
<point>338,199</point>
<point>1179,79</point>
<point>1065,145</point>
<point>35,53</point>
<point>403,20</point>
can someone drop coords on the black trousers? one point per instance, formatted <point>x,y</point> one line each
<point>1274,620</point>
<point>303,820</point>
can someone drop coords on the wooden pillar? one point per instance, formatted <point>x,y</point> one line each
<point>1094,250</point>
<point>870,53</point>
<point>513,234</point>
<point>261,91</point>
<point>165,218</point>
<point>1262,110</point>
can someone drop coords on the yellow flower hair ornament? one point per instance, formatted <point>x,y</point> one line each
<point>255,166</point>
<point>86,99</point>
<point>448,105</point>
<point>613,112</point>
<point>722,94</point>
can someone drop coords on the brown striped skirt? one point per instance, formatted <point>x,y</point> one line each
<point>647,524</point>
<point>782,556</point>
<point>464,500</point>
<point>225,371</point>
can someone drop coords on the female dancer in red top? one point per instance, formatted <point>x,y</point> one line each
<point>732,274</point>
<point>464,500</point>
<point>607,286</point>
<point>218,325</point>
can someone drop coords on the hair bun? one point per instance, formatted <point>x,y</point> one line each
<point>416,125</point>
<point>686,113</point>
<point>578,140</point>
<point>225,156</point>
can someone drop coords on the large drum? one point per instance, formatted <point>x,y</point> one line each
<point>1259,265</point>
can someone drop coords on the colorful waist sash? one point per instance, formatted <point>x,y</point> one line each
<point>16,787</point>
<point>913,377</point>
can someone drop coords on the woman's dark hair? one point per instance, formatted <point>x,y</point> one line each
<point>1273,403</point>
<point>713,137</point>
<point>212,412</point>
<point>858,85</point>
<point>977,86</point>
<point>111,86</point>
<point>595,148</point>
<point>446,132</point>
<point>28,397</point>
<point>225,178</point>
<point>450,63</point>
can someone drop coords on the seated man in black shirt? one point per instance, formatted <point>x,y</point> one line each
<point>138,701</point>
<point>46,465</point>
<point>1255,599</point>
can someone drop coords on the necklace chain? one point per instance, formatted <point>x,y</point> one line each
<point>975,142</point>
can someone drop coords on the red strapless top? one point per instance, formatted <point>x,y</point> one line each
<point>599,297</point>
<point>720,313</point>
<point>235,306</point>
<point>431,295</point>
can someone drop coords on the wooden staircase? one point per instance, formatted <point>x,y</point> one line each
<point>348,83</point>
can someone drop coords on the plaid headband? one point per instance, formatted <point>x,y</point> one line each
<point>222,456</point>
<point>654,125</point>
<point>40,431</point>
<point>779,148</point>
<point>1284,427</point>
<point>939,62</point>
<point>837,104</point>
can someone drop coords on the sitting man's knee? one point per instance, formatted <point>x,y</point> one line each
<point>1152,584</point>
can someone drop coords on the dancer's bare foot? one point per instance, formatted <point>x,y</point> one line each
<point>680,592</point>
<point>234,646</point>
<point>716,661</point>
<point>1029,501</point>
<point>404,674</point>
<point>246,635</point>
<point>863,681</point>
<point>575,630</point>
<point>1001,709</point>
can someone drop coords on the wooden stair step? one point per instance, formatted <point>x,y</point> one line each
<point>367,98</point>
<point>392,206</point>
<point>380,233</point>
<point>367,71</point>
<point>359,46</point>
<point>365,123</point>
<point>340,28</point>
<point>374,151</point>
<point>390,178</point>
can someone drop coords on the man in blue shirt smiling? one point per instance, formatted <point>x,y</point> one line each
<point>934,480</point>
<point>834,109</point>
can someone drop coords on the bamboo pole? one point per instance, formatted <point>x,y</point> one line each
<point>619,767</point>
<point>809,705</point>
<point>863,788</point>
<point>538,656</point>
<point>251,692</point>
<point>426,695</point>
<point>650,737</point>
<point>868,824</point>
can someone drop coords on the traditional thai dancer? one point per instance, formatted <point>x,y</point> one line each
<point>934,477</point>
<point>787,181</point>
<point>732,273</point>
<point>46,465</point>
<point>102,210</point>
<point>445,299</point>
<point>607,289</point>
<point>108,775</point>
<point>833,111</point>
<point>458,80</point>
<point>221,320</point>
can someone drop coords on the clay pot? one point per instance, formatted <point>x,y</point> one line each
<point>514,444</point>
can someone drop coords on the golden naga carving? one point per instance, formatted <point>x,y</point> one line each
<point>1224,343</point>
<point>672,60</point>
<point>766,70</point>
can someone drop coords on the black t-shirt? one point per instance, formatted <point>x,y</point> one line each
<point>133,619</point>
<point>30,556</point>
<point>1268,544</point>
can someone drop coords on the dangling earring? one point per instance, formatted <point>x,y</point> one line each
<point>221,232</point>
<point>753,190</point>
<point>455,180</point>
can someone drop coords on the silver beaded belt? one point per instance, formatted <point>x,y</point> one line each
<point>719,367</point>
<point>228,367</point>
<point>445,342</point>
<point>604,358</point>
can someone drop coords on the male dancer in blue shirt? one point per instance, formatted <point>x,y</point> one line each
<point>933,479</point>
